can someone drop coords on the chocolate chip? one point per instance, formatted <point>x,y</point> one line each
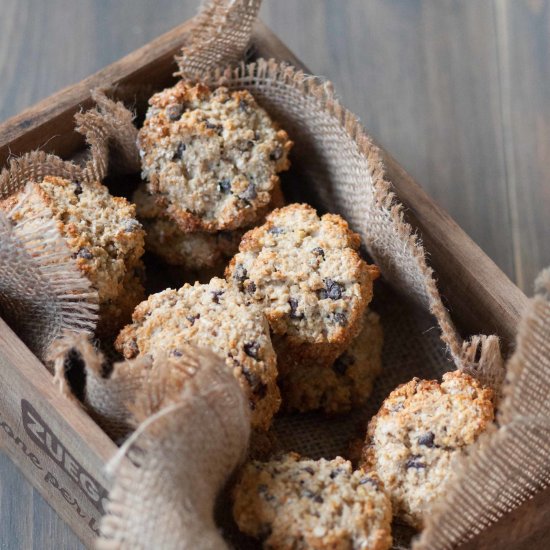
<point>212,126</point>
<point>294,309</point>
<point>251,377</point>
<point>224,186</point>
<point>370,481</point>
<point>342,363</point>
<point>247,145</point>
<point>240,273</point>
<point>193,318</point>
<point>319,252</point>
<point>415,462</point>
<point>85,253</point>
<point>334,289</point>
<point>251,287</point>
<point>251,349</point>
<point>243,105</point>
<point>309,470</point>
<point>216,295</point>
<point>340,319</point>
<point>132,348</point>
<point>176,353</point>
<point>131,225</point>
<point>249,193</point>
<point>78,188</point>
<point>335,473</point>
<point>314,496</point>
<point>173,112</point>
<point>178,153</point>
<point>427,439</point>
<point>275,230</point>
<point>277,154</point>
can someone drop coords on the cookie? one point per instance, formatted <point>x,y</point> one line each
<point>211,157</point>
<point>297,503</point>
<point>192,251</point>
<point>214,316</point>
<point>421,430</point>
<point>345,385</point>
<point>307,274</point>
<point>102,233</point>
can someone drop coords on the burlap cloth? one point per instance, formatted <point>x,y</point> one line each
<point>335,167</point>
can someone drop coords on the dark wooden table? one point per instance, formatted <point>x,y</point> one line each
<point>458,91</point>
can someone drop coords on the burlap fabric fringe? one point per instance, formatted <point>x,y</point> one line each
<point>42,292</point>
<point>340,170</point>
<point>193,431</point>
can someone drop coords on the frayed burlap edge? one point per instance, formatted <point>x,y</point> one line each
<point>105,396</point>
<point>510,465</point>
<point>220,35</point>
<point>42,292</point>
<point>193,432</point>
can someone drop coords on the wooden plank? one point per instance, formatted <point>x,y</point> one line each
<point>422,75</point>
<point>523,28</point>
<point>53,441</point>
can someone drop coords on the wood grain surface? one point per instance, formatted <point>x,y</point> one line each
<point>457,91</point>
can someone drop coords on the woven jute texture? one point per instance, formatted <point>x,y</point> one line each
<point>336,168</point>
<point>168,473</point>
<point>42,292</point>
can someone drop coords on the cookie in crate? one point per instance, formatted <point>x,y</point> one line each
<point>218,317</point>
<point>306,273</point>
<point>346,384</point>
<point>297,503</point>
<point>211,158</point>
<point>100,230</point>
<point>195,251</point>
<point>415,440</point>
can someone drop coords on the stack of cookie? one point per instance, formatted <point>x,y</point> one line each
<point>314,287</point>
<point>210,160</point>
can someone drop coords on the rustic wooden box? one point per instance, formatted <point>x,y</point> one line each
<point>63,452</point>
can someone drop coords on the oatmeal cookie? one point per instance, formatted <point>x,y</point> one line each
<point>211,157</point>
<point>297,503</point>
<point>192,251</point>
<point>308,276</point>
<point>421,430</point>
<point>214,316</point>
<point>345,385</point>
<point>103,234</point>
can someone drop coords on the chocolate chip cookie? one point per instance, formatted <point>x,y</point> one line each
<point>102,233</point>
<point>218,317</point>
<point>345,385</point>
<point>211,158</point>
<point>297,503</point>
<point>421,430</point>
<point>306,273</point>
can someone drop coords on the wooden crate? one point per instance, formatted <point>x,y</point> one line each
<point>59,448</point>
